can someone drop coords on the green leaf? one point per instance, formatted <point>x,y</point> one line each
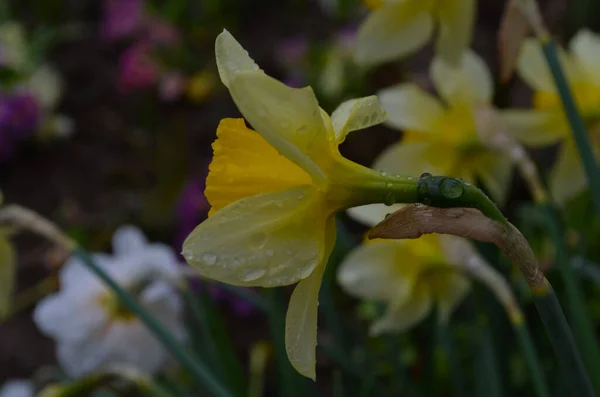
<point>8,261</point>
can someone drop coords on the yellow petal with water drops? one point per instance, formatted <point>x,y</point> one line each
<point>393,31</point>
<point>409,159</point>
<point>376,270</point>
<point>302,313</point>
<point>409,107</point>
<point>585,47</point>
<point>288,118</point>
<point>567,177</point>
<point>244,165</point>
<point>495,171</point>
<point>231,58</point>
<point>372,214</point>
<point>266,240</point>
<point>399,318</point>
<point>449,291</point>
<point>356,114</point>
<point>535,128</point>
<point>8,263</point>
<point>456,28</point>
<point>467,82</point>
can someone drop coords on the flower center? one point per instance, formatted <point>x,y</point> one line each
<point>115,309</point>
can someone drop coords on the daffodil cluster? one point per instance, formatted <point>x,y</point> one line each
<point>548,124</point>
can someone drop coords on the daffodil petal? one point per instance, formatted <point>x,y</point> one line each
<point>301,317</point>
<point>450,290</point>
<point>567,177</point>
<point>409,107</point>
<point>232,58</point>
<point>468,82</point>
<point>372,214</point>
<point>403,317</point>
<point>356,114</point>
<point>288,118</point>
<point>393,31</point>
<point>535,128</point>
<point>374,271</point>
<point>407,159</point>
<point>495,171</point>
<point>586,48</point>
<point>455,31</point>
<point>533,67</point>
<point>265,240</point>
<point>244,164</point>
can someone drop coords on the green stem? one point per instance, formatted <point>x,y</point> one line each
<point>563,344</point>
<point>192,364</point>
<point>531,358</point>
<point>582,324</point>
<point>446,338</point>
<point>578,127</point>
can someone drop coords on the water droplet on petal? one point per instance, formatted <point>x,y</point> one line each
<point>388,184</point>
<point>258,240</point>
<point>209,259</point>
<point>410,178</point>
<point>425,175</point>
<point>306,270</point>
<point>383,173</point>
<point>252,274</point>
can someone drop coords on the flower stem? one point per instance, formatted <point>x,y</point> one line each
<point>531,357</point>
<point>192,364</point>
<point>578,128</point>
<point>562,341</point>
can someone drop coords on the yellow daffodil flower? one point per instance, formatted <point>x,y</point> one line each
<point>442,138</point>
<point>548,123</point>
<point>274,191</point>
<point>409,275</point>
<point>397,28</point>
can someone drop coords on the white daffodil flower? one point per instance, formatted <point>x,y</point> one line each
<point>92,330</point>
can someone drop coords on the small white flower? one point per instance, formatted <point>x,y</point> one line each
<point>92,330</point>
<point>17,388</point>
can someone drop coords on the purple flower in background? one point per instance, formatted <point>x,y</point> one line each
<point>137,68</point>
<point>19,117</point>
<point>122,18</point>
<point>293,51</point>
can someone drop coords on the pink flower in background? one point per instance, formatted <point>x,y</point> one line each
<point>19,117</point>
<point>137,68</point>
<point>171,86</point>
<point>293,50</point>
<point>159,31</point>
<point>122,18</point>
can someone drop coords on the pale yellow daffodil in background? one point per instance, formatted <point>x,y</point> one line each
<point>274,191</point>
<point>548,123</point>
<point>411,276</point>
<point>441,137</point>
<point>396,28</point>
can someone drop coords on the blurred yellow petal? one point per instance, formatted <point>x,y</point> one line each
<point>495,170</point>
<point>301,317</point>
<point>567,177</point>
<point>469,82</point>
<point>406,315</point>
<point>409,107</point>
<point>244,165</point>
<point>265,240</point>
<point>356,114</point>
<point>8,262</point>
<point>372,214</point>
<point>393,31</point>
<point>586,49</point>
<point>535,128</point>
<point>449,289</point>
<point>408,159</point>
<point>231,58</point>
<point>288,118</point>
<point>456,26</point>
<point>381,270</point>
